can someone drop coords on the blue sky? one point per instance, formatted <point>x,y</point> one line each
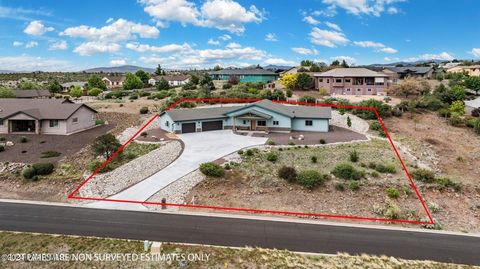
<point>74,35</point>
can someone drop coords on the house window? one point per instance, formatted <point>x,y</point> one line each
<point>75,120</point>
<point>321,80</point>
<point>308,123</point>
<point>1,122</point>
<point>244,122</point>
<point>338,80</point>
<point>261,123</point>
<point>167,123</point>
<point>53,123</point>
<point>275,122</point>
<point>359,90</point>
<point>328,80</point>
<point>369,90</point>
<point>347,80</point>
<point>348,90</point>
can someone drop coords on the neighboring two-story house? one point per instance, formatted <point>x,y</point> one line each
<point>352,81</point>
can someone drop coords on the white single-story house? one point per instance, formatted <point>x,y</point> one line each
<point>113,81</point>
<point>44,116</point>
<point>263,115</point>
<point>70,85</point>
<point>173,80</point>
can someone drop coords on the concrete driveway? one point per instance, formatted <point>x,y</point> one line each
<point>199,148</point>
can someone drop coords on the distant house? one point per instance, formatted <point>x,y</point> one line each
<point>396,73</point>
<point>173,80</point>
<point>263,115</point>
<point>113,81</point>
<point>32,94</point>
<point>66,87</point>
<point>245,75</point>
<point>44,116</point>
<point>471,70</point>
<point>351,81</point>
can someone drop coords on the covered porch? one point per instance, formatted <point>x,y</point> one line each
<point>252,121</point>
<point>24,126</point>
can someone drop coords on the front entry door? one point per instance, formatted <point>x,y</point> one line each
<point>253,125</point>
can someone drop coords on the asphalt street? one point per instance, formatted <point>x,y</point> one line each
<point>319,238</point>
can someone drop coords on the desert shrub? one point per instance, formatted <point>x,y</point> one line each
<point>93,165</point>
<point>470,122</point>
<point>354,185</point>
<point>144,110</point>
<point>339,186</point>
<point>354,156</point>
<point>249,152</point>
<point>271,142</point>
<point>291,143</point>
<point>94,92</point>
<point>374,174</point>
<point>288,173</point>
<point>385,168</point>
<point>43,168</point>
<point>375,126</point>
<point>313,159</point>
<point>392,211</point>
<point>322,141</point>
<point>144,134</point>
<point>240,152</point>
<point>444,112</point>
<point>307,99</point>
<point>384,110</point>
<point>347,171</point>
<point>272,157</point>
<point>227,166</point>
<point>476,126</point>
<point>99,122</point>
<point>444,182</point>
<point>455,120</point>
<point>28,172</point>
<point>50,154</point>
<point>310,179</point>
<point>2,148</point>
<point>423,175</point>
<point>23,139</point>
<point>2,138</point>
<point>212,169</point>
<point>393,193</point>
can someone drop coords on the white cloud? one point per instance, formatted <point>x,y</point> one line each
<point>31,44</point>
<point>118,62</point>
<point>305,51</point>
<point>310,20</point>
<point>367,7</point>
<point>17,43</point>
<point>279,61</point>
<point>162,49</point>
<point>388,59</point>
<point>233,45</point>
<point>92,47</point>
<point>213,42</point>
<point>119,30</point>
<point>157,60</point>
<point>475,52</point>
<point>19,13</point>
<point>379,46</point>
<point>348,59</point>
<point>246,53</point>
<point>445,56</point>
<point>327,38</point>
<point>333,26</point>
<point>330,11</point>
<point>388,50</point>
<point>30,63</point>
<point>109,20</point>
<point>271,37</point>
<point>37,28</point>
<point>221,14</point>
<point>59,45</point>
<point>225,37</point>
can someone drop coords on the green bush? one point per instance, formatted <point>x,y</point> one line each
<point>249,152</point>
<point>423,175</point>
<point>291,143</point>
<point>347,171</point>
<point>212,169</point>
<point>354,185</point>
<point>339,186</point>
<point>43,168</point>
<point>444,182</point>
<point>144,110</point>
<point>313,159</point>
<point>94,92</point>
<point>272,157</point>
<point>28,172</point>
<point>385,168</point>
<point>23,139</point>
<point>2,148</point>
<point>2,138</point>
<point>288,173</point>
<point>144,134</point>
<point>354,156</point>
<point>310,179</point>
<point>99,122</point>
<point>322,141</point>
<point>271,142</point>
<point>240,152</point>
<point>375,126</point>
<point>50,154</point>
<point>393,193</point>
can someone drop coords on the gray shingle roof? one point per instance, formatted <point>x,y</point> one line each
<point>415,69</point>
<point>74,83</point>
<point>244,72</point>
<point>350,72</point>
<point>32,93</point>
<point>290,111</point>
<point>41,109</point>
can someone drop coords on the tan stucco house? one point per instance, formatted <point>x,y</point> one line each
<point>471,70</point>
<point>44,116</point>
<point>352,81</point>
<point>113,81</point>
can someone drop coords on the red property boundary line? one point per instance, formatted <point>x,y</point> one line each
<point>73,195</point>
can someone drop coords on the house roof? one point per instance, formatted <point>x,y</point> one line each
<point>74,83</point>
<point>256,71</point>
<point>41,109</point>
<point>350,72</point>
<point>115,78</point>
<point>171,77</point>
<point>223,112</point>
<point>414,69</point>
<point>32,93</point>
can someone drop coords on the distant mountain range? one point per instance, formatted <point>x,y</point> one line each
<point>119,69</point>
<point>408,63</point>
<point>277,67</point>
<point>7,71</point>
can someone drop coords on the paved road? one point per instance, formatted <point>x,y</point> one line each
<point>199,148</point>
<point>239,232</point>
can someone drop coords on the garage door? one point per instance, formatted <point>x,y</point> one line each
<point>188,128</point>
<point>212,125</point>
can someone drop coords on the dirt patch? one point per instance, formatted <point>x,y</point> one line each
<point>121,121</point>
<point>124,105</point>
